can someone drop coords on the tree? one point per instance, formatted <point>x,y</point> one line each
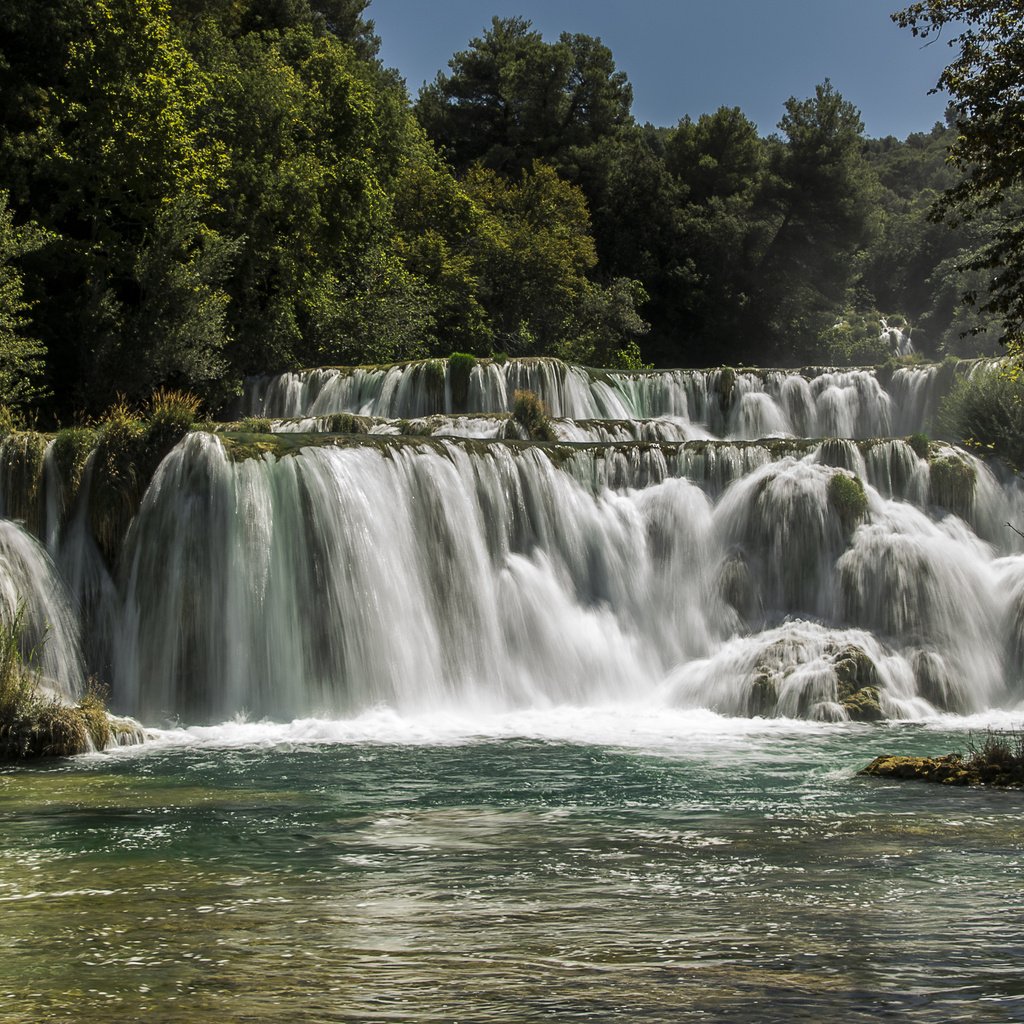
<point>821,199</point>
<point>512,98</point>
<point>986,82</point>
<point>21,356</point>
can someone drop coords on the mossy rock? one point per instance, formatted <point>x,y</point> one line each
<point>725,384</point>
<point>529,412</point>
<point>71,450</point>
<point>55,729</point>
<point>763,696</point>
<point>460,367</point>
<point>346,423</point>
<point>949,770</point>
<point>863,705</point>
<point>951,484</point>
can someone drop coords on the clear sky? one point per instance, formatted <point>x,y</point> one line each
<point>693,56</point>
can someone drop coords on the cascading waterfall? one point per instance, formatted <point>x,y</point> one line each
<point>817,576</point>
<point>740,404</point>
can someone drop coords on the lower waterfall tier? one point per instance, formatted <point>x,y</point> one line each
<point>827,581</point>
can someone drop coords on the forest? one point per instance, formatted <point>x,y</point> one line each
<point>192,191</point>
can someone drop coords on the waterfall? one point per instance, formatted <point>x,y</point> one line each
<point>724,403</point>
<point>754,542</point>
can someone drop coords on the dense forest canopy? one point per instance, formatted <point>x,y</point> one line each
<point>195,191</point>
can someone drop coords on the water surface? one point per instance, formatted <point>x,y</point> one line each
<point>563,866</point>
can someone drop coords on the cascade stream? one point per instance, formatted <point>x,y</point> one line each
<point>755,542</point>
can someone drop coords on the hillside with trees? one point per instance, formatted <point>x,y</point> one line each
<point>194,192</point>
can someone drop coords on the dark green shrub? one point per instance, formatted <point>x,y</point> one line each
<point>528,411</point>
<point>985,412</point>
<point>847,498</point>
<point>918,444</point>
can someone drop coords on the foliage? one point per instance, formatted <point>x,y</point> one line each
<point>918,444</point>
<point>170,416</point>
<point>258,425</point>
<point>985,412</point>
<point>847,498</point>
<point>855,340</point>
<point>512,98</point>
<point>529,412</point>
<point>21,356</point>
<point>984,80</point>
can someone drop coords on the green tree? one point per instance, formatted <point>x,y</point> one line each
<point>512,98</point>
<point>986,82</point>
<point>21,356</point>
<point>821,200</point>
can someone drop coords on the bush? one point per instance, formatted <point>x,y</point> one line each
<point>918,444</point>
<point>171,415</point>
<point>985,412</point>
<point>847,498</point>
<point>32,725</point>
<point>529,412</point>
<point>857,340</point>
<point>346,423</point>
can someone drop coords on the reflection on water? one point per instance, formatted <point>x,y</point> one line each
<point>744,878</point>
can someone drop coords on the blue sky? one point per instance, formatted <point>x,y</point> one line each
<point>693,56</point>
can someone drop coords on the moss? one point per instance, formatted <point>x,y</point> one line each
<point>529,412</point>
<point>119,476</point>
<point>847,499</point>
<point>999,761</point>
<point>863,705</point>
<point>23,455</point>
<point>129,449</point>
<point>460,368</point>
<point>857,687</point>
<point>918,444</point>
<point>499,358</point>
<point>951,484</point>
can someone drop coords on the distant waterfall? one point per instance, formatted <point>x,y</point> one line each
<point>720,403</point>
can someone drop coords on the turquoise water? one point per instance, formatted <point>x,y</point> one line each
<point>698,869</point>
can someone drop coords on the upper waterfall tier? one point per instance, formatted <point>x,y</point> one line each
<point>811,402</point>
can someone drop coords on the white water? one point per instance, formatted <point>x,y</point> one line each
<point>482,579</point>
<point>765,403</point>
